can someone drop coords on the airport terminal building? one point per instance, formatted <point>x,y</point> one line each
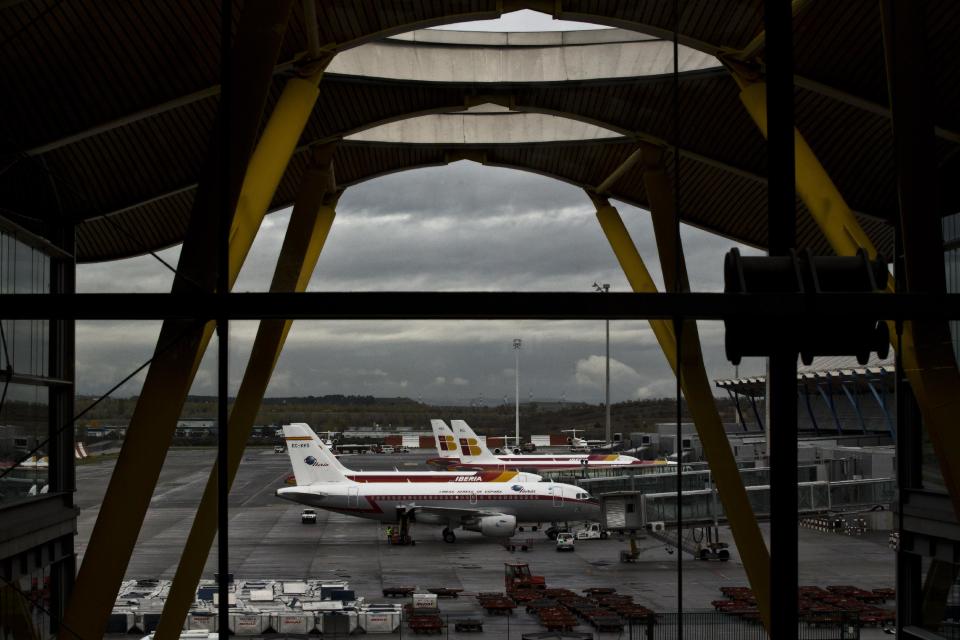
<point>826,134</point>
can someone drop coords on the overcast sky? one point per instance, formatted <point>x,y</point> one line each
<point>456,228</point>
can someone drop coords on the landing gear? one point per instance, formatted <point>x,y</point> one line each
<point>552,532</point>
<point>449,536</point>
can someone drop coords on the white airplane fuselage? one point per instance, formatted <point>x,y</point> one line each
<point>381,501</point>
<point>543,462</point>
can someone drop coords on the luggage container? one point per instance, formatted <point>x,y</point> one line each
<point>338,623</point>
<point>202,621</point>
<point>146,621</point>
<point>327,588</point>
<point>248,624</point>
<point>206,593</point>
<point>321,605</point>
<point>294,588</point>
<point>261,595</point>
<point>120,622</point>
<point>295,622</point>
<point>424,601</point>
<point>374,621</point>
<point>192,635</point>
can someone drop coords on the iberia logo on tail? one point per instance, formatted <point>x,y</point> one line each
<point>470,446</point>
<point>447,443</point>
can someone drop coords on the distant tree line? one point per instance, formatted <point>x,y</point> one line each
<point>340,412</point>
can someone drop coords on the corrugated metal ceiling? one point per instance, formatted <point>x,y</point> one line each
<point>70,66</point>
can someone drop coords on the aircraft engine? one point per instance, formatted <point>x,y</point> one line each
<point>501,526</point>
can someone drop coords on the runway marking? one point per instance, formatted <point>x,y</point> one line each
<point>267,485</point>
<point>199,477</point>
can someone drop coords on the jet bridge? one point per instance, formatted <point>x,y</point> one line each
<point>633,510</point>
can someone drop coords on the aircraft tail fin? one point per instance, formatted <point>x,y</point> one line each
<point>312,461</point>
<point>444,439</point>
<point>471,448</point>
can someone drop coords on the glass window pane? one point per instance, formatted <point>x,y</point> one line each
<point>24,424</point>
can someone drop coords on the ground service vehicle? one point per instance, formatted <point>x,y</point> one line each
<point>591,531</point>
<point>517,576</point>
<point>279,449</point>
<point>565,542</point>
<point>308,516</point>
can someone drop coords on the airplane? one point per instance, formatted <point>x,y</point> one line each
<point>579,444</point>
<point>464,475</point>
<point>491,503</point>
<point>470,453</point>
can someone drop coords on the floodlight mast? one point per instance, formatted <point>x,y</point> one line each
<point>517,343</point>
<point>605,288</point>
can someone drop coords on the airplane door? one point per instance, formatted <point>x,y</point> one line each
<point>473,498</point>
<point>557,494</point>
<point>353,497</point>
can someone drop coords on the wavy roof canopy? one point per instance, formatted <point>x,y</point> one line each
<point>114,107</point>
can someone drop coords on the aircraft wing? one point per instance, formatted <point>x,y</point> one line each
<point>447,514</point>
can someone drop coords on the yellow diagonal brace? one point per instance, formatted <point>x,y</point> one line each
<point>269,163</point>
<point>169,379</point>
<point>700,403</point>
<point>307,231</point>
<point>927,352</point>
<point>663,213</point>
<point>15,615</point>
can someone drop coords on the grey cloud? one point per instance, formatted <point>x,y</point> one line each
<point>462,227</point>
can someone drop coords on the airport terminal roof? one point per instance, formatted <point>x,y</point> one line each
<point>110,108</point>
<point>829,371</point>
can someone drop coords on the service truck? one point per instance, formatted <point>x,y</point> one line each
<point>591,531</point>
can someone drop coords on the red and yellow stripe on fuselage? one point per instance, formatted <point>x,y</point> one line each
<point>461,478</point>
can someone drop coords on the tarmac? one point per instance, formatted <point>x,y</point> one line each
<point>267,540</point>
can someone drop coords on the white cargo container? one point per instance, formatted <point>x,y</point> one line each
<point>372,621</point>
<point>321,605</point>
<point>293,622</point>
<point>202,620</point>
<point>248,624</point>
<point>424,601</point>
<point>294,588</point>
<point>261,595</point>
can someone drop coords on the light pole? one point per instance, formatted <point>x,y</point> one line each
<point>516,350</point>
<point>605,288</point>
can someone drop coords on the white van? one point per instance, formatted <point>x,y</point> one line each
<point>565,541</point>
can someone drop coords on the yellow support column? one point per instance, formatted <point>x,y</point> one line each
<point>173,369</point>
<point>310,223</point>
<point>927,354</point>
<point>700,403</point>
<point>16,615</point>
<point>663,213</point>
